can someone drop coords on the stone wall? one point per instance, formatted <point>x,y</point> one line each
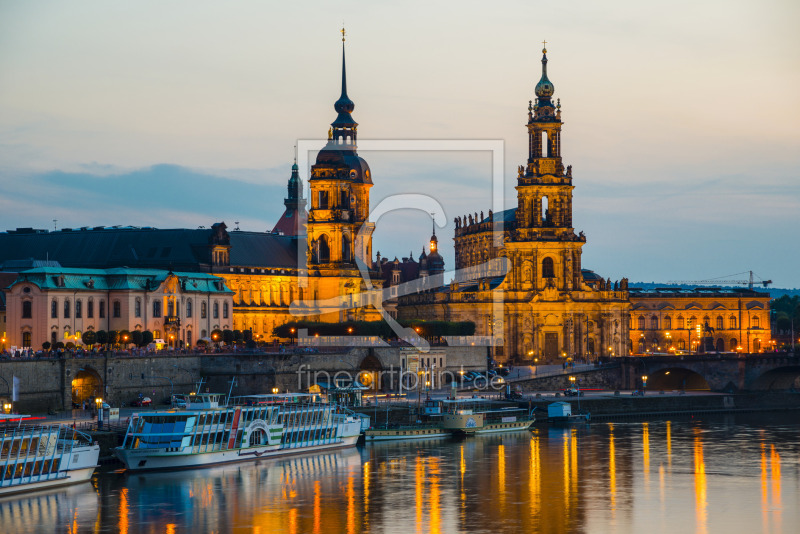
<point>46,384</point>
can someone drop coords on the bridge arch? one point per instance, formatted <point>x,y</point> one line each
<point>787,377</point>
<point>678,378</point>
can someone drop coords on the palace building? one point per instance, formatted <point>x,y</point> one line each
<point>705,319</point>
<point>527,261</point>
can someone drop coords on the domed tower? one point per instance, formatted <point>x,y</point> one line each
<point>293,220</point>
<point>338,226</point>
<point>435,260</point>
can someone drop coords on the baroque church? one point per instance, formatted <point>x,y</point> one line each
<point>519,274</point>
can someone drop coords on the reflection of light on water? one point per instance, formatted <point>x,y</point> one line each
<point>646,455</point>
<point>764,490</point>
<point>366,487</point>
<point>463,493</point>
<point>573,449</point>
<point>775,471</point>
<point>501,476</point>
<point>317,511</point>
<point>612,470</point>
<point>435,496</point>
<point>701,502</point>
<point>351,502</point>
<point>534,481</point>
<point>123,511</point>
<point>669,443</point>
<point>419,477</point>
<point>293,521</point>
<point>565,469</point>
<point>661,492</point>
<point>171,529</point>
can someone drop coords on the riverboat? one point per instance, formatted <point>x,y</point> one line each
<point>40,457</point>
<point>478,416</point>
<point>246,428</point>
<point>406,432</point>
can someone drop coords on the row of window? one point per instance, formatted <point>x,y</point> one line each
<point>681,345</point>
<point>691,322</point>
<point>116,309</point>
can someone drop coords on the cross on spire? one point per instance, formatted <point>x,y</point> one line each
<point>343,33</point>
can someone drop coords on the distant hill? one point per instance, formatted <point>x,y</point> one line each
<point>774,292</point>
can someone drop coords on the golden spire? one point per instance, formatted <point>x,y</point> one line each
<point>343,33</point>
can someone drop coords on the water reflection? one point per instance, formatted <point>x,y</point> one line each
<point>712,476</point>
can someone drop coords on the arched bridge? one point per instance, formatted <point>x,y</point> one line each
<point>724,372</point>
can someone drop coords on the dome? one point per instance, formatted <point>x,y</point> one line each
<point>340,158</point>
<point>545,88</point>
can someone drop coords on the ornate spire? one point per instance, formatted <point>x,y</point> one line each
<point>344,127</point>
<point>544,89</point>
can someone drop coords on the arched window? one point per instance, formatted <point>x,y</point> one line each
<point>680,322</point>
<point>203,311</point>
<point>756,345</point>
<point>667,323</point>
<point>346,256</point>
<point>189,309</point>
<point>224,310</point>
<point>189,338</point>
<point>755,322</point>
<point>54,309</point>
<point>66,309</point>
<point>547,268</point>
<point>78,309</point>
<point>641,345</point>
<point>117,307</point>
<point>733,344</point>
<point>171,308</point>
<point>732,322</point>
<point>102,307</point>
<point>53,338</point>
<point>692,321</point>
<point>323,250</point>
<point>26,338</point>
<point>157,308</point>
<point>682,345</point>
<point>654,323</point>
<point>156,334</point>
<point>27,310</point>
<point>720,345</point>
<point>720,324</point>
<point>641,323</point>
<point>90,309</point>
<point>137,307</point>
<point>590,346</point>
<point>216,310</point>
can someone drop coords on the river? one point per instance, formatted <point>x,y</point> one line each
<point>713,474</point>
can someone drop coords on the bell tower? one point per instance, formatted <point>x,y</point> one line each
<point>544,200</point>
<point>544,187</point>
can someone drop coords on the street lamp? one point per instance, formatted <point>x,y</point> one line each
<point>644,383</point>
<point>7,408</point>
<point>274,391</point>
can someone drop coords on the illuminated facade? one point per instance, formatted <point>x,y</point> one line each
<point>550,308</point>
<point>58,304</point>
<point>669,320</point>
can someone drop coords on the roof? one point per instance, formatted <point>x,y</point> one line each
<point>699,292</point>
<point>118,278</point>
<point>181,249</point>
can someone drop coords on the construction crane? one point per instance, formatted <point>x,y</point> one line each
<point>722,281</point>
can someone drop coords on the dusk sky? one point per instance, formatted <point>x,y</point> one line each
<point>682,118</point>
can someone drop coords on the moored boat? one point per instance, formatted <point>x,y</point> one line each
<point>252,427</point>
<point>406,432</point>
<point>38,457</point>
<point>477,416</point>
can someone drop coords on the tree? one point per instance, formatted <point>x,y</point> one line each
<point>227,336</point>
<point>216,335</point>
<point>137,337</point>
<point>125,337</point>
<point>238,336</point>
<point>59,345</point>
<point>147,338</point>
<point>113,337</point>
<point>70,345</point>
<point>46,345</point>
<point>89,337</point>
<point>102,337</point>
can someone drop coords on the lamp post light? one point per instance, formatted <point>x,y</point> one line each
<point>275,391</point>
<point>99,402</point>
<point>644,384</point>
<point>7,408</point>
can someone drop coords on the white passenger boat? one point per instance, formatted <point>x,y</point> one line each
<point>40,457</point>
<point>251,427</point>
